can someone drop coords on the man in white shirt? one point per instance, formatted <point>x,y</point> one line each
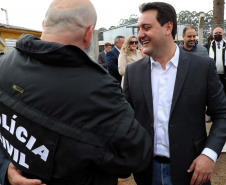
<point>169,91</point>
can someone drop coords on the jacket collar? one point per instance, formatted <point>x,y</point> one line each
<point>51,52</point>
<point>182,71</point>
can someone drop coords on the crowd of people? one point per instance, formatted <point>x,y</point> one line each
<point>68,120</point>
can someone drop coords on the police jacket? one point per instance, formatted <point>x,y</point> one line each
<point>63,118</point>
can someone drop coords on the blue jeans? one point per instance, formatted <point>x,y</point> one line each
<point>161,174</point>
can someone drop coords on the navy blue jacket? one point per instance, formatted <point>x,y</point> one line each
<point>112,64</point>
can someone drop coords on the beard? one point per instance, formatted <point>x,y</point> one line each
<point>190,44</point>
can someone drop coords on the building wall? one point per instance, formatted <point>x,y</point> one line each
<point>109,35</point>
<point>10,36</point>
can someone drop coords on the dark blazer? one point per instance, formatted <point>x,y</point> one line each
<point>208,45</point>
<point>101,59</point>
<point>197,86</point>
<point>112,63</point>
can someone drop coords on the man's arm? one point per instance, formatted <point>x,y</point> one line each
<point>128,135</point>
<point>4,164</point>
<point>10,175</point>
<point>216,103</point>
<point>101,60</point>
<point>111,61</point>
<point>126,87</point>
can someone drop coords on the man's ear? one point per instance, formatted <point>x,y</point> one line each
<point>169,28</point>
<point>88,35</point>
<point>43,22</point>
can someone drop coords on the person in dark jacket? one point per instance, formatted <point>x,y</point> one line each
<point>63,118</point>
<point>169,91</point>
<point>101,56</point>
<point>112,58</point>
<point>190,45</point>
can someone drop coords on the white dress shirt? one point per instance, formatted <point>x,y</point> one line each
<point>118,49</point>
<point>163,82</point>
<point>219,62</point>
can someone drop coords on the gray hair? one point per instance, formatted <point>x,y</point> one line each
<point>118,38</point>
<point>77,17</point>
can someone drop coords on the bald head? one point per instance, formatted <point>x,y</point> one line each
<point>69,22</point>
<point>218,34</point>
<point>70,14</point>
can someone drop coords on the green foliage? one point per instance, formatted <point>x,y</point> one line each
<point>132,19</point>
<point>101,29</point>
<point>192,18</point>
<point>112,27</point>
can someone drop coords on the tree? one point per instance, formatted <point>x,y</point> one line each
<point>192,18</point>
<point>132,19</point>
<point>112,27</point>
<point>218,13</point>
<point>101,29</point>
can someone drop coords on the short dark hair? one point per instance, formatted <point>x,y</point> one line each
<point>166,13</point>
<point>188,27</point>
<point>107,44</point>
<point>210,38</point>
<point>117,39</point>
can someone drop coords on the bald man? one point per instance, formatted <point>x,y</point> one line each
<point>216,50</point>
<point>58,124</point>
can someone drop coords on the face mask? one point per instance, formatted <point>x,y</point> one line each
<point>218,37</point>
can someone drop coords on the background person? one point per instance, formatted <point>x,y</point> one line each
<point>209,39</point>
<point>216,50</point>
<point>169,91</point>
<point>128,54</point>
<point>101,56</point>
<point>190,45</point>
<point>59,123</point>
<point>112,58</point>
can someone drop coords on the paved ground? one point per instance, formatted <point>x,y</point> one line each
<point>218,177</point>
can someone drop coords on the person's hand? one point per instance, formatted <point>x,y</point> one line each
<point>203,169</point>
<point>15,177</point>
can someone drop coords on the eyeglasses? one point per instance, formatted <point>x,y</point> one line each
<point>133,42</point>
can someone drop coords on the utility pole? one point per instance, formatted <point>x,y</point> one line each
<point>6,15</point>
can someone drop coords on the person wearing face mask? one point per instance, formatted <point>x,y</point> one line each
<point>216,50</point>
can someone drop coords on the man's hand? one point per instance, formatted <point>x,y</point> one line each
<point>15,177</point>
<point>203,169</point>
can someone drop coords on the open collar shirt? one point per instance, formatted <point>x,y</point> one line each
<point>163,82</point>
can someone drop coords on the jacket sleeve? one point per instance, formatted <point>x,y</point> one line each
<point>4,163</point>
<point>111,62</point>
<point>206,53</point>
<point>216,108</point>
<point>122,63</point>
<point>126,88</point>
<point>101,60</point>
<point>129,149</point>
